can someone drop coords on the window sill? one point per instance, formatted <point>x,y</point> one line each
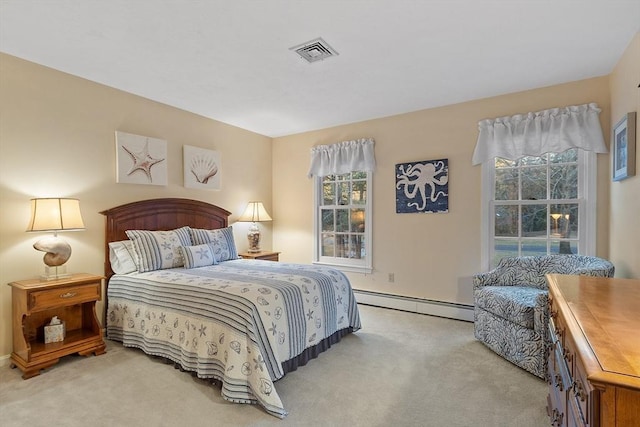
<point>346,268</point>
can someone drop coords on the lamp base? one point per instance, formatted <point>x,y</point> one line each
<point>254,238</point>
<point>54,273</point>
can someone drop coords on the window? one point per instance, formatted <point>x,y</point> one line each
<point>343,221</point>
<point>539,205</point>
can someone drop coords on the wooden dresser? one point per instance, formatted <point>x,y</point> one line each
<point>594,361</point>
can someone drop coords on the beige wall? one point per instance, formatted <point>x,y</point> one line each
<point>433,256</point>
<point>57,139</point>
<point>625,195</point>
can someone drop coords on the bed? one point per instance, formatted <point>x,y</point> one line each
<point>244,323</point>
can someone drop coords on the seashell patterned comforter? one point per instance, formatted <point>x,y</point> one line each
<point>236,322</point>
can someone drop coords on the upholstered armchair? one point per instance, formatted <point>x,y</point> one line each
<point>511,304</point>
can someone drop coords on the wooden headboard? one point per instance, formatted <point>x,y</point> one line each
<point>159,214</point>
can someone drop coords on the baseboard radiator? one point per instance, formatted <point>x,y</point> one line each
<point>416,305</point>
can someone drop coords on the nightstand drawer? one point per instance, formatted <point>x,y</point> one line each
<point>64,296</point>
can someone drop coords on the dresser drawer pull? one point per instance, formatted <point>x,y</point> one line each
<point>556,418</point>
<point>579,391</point>
<point>558,379</point>
<point>68,295</point>
<point>567,356</point>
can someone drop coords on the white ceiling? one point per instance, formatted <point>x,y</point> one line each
<point>230,60</point>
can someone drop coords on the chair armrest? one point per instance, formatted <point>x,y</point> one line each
<point>489,278</point>
<point>604,271</point>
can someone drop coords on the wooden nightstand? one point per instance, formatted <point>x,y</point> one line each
<point>265,255</point>
<point>35,302</point>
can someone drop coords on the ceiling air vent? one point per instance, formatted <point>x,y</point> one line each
<point>314,50</point>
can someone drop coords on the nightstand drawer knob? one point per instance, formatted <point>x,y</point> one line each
<point>68,295</point>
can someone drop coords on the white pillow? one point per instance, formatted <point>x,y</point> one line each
<point>198,256</point>
<point>157,250</point>
<point>221,239</point>
<point>122,257</point>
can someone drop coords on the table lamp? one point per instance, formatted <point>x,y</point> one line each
<point>55,214</point>
<point>255,212</point>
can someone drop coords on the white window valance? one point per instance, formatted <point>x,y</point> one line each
<point>343,157</point>
<point>533,134</point>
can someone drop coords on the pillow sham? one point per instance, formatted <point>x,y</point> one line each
<point>198,256</point>
<point>122,257</point>
<point>158,250</point>
<point>224,247</point>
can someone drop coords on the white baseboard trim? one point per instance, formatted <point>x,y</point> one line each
<point>416,305</point>
<point>5,360</point>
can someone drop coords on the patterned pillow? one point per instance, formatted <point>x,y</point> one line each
<point>198,256</point>
<point>157,250</point>
<point>224,247</point>
<point>122,257</point>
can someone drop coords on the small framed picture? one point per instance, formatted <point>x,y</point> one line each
<point>140,159</point>
<point>201,168</point>
<point>624,147</point>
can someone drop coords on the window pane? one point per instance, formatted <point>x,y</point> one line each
<point>358,192</point>
<point>357,246</point>
<point>342,193</point>
<point>569,156</point>
<point>534,247</point>
<point>507,184</point>
<point>563,181</point>
<point>534,183</point>
<point>564,219</point>
<point>328,194</point>
<point>359,175</point>
<point>342,246</point>
<point>327,244</point>
<point>504,248</point>
<point>362,248</point>
<point>506,221</point>
<point>534,220</point>
<point>504,163</point>
<point>563,247</point>
<point>342,220</point>
<point>529,160</point>
<point>357,220</point>
<point>327,220</point>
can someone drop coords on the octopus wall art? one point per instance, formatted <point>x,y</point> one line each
<point>422,186</point>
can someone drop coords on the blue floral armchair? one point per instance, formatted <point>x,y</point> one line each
<point>511,304</point>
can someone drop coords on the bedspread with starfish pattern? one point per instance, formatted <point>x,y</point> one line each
<point>235,322</point>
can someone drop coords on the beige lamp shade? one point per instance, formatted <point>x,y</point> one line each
<point>55,215</point>
<point>255,212</point>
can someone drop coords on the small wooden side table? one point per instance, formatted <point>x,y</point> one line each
<point>265,255</point>
<point>35,302</point>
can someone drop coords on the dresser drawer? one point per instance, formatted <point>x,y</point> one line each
<point>64,296</point>
<point>581,393</point>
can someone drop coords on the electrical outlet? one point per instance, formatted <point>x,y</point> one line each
<point>392,277</point>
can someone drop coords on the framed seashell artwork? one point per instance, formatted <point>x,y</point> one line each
<point>140,159</point>
<point>201,168</point>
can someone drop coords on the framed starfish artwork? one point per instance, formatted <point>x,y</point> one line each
<point>140,159</point>
<point>201,168</point>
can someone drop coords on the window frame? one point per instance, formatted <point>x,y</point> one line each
<point>586,200</point>
<point>356,265</point>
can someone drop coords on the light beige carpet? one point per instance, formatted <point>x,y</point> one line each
<point>401,369</point>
